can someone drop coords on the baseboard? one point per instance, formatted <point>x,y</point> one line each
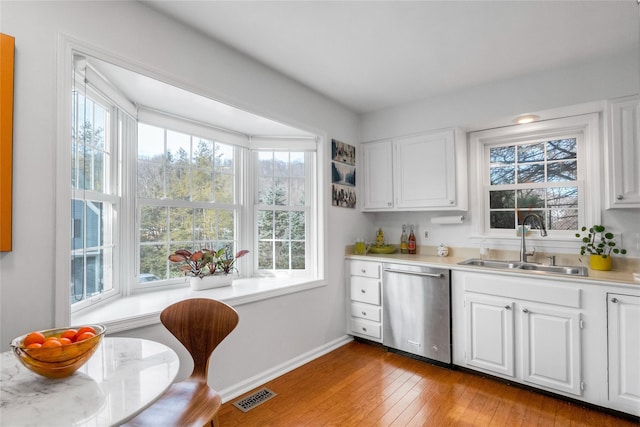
<point>249,384</point>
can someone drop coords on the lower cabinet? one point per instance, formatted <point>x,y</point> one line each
<point>530,333</point>
<point>623,335</point>
<point>364,304</point>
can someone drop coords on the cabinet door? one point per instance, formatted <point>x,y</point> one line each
<point>624,351</point>
<point>378,175</point>
<point>489,340</point>
<point>624,154</point>
<point>425,170</point>
<point>551,347</point>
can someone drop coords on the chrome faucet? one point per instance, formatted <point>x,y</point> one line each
<point>523,247</point>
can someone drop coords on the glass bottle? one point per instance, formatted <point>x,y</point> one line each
<point>404,246</point>
<point>411,241</point>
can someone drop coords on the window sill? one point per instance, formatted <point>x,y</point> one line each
<point>143,309</point>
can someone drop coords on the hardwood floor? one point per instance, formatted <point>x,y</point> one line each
<point>364,385</point>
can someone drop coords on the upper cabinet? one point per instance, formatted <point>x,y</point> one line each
<point>623,153</point>
<point>420,172</point>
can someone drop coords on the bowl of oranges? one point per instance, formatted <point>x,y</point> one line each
<point>57,353</point>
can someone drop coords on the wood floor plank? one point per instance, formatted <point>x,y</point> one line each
<point>364,385</point>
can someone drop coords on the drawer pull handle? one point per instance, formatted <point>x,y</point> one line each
<point>363,291</point>
<point>614,300</point>
<point>364,313</point>
<point>364,329</point>
<point>525,310</point>
<point>507,307</point>
<point>363,270</point>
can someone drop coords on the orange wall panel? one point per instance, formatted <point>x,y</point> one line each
<point>7,46</point>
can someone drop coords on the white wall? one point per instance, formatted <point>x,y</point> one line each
<point>272,331</point>
<point>497,104</point>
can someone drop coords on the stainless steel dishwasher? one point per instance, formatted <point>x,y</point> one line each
<point>416,310</point>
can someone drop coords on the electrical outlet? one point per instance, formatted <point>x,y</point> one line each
<point>426,234</point>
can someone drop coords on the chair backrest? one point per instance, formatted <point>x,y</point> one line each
<point>200,324</point>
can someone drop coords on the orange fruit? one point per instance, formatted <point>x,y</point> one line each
<point>70,334</point>
<point>85,329</point>
<point>85,335</point>
<point>51,339</point>
<point>65,341</point>
<point>51,343</point>
<point>34,345</point>
<point>33,337</point>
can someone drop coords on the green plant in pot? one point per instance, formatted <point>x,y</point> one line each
<point>599,244</point>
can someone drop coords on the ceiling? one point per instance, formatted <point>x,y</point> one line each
<point>371,55</point>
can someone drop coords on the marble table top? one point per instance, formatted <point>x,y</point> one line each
<point>123,377</point>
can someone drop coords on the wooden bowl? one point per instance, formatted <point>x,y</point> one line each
<point>57,362</point>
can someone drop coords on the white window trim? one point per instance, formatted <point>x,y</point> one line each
<point>129,311</point>
<point>589,162</point>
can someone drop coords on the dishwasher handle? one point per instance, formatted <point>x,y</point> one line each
<point>415,273</point>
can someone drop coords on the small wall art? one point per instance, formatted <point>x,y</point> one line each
<point>343,174</point>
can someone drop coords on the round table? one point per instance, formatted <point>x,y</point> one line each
<point>124,376</point>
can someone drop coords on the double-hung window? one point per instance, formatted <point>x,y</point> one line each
<point>188,196</point>
<point>545,168</point>
<point>96,129</point>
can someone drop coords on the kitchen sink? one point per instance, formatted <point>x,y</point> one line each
<point>527,266</point>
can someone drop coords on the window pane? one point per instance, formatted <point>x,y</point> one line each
<point>563,219</point>
<point>297,164</point>
<point>562,197</point>
<point>265,163</point>
<point>297,255</point>
<point>281,195</point>
<point>562,149</point>
<point>282,225</point>
<point>224,159</point>
<point>530,153</point>
<point>266,191</point>
<point>150,143</point>
<point>562,171</point>
<point>522,214</point>
<point>281,164</point>
<point>202,154</point>
<point>502,155</point>
<point>178,186</point>
<point>153,263</point>
<point>531,198</point>
<point>282,255</point>
<point>297,226</point>
<point>265,224</point>
<point>502,199</point>
<point>265,255</point>
<point>202,185</point>
<point>178,148</point>
<point>224,188</point>
<point>530,173</point>
<point>226,221</point>
<point>503,175</point>
<point>180,224</point>
<point>502,220</point>
<point>297,192</point>
<point>150,180</point>
<point>153,224</point>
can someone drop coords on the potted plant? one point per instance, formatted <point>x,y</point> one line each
<point>207,269</point>
<point>599,244</point>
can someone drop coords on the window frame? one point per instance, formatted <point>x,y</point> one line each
<point>587,126</point>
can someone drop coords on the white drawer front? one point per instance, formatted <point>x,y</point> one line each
<point>366,311</point>
<point>365,290</point>
<point>365,269</point>
<point>366,327</point>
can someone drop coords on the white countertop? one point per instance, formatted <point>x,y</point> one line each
<point>123,377</point>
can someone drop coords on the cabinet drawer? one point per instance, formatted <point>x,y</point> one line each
<point>365,269</point>
<point>365,290</point>
<point>366,311</point>
<point>366,327</point>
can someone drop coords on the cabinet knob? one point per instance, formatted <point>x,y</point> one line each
<point>619,197</point>
<point>363,291</point>
<point>525,310</point>
<point>614,300</point>
<point>507,307</point>
<point>364,270</point>
<point>451,202</point>
<point>364,313</point>
<point>364,329</point>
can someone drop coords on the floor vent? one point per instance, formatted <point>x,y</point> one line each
<point>254,400</point>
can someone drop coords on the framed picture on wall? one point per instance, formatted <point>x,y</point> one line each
<point>7,47</point>
<point>343,174</point>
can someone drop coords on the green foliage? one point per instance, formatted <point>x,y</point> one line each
<point>598,241</point>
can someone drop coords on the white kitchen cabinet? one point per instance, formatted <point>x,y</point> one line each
<point>419,172</point>
<point>624,351</point>
<point>520,329</point>
<point>551,347</point>
<point>365,300</point>
<point>378,175</point>
<point>489,335</point>
<point>623,153</point>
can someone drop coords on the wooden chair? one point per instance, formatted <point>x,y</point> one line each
<point>200,325</point>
